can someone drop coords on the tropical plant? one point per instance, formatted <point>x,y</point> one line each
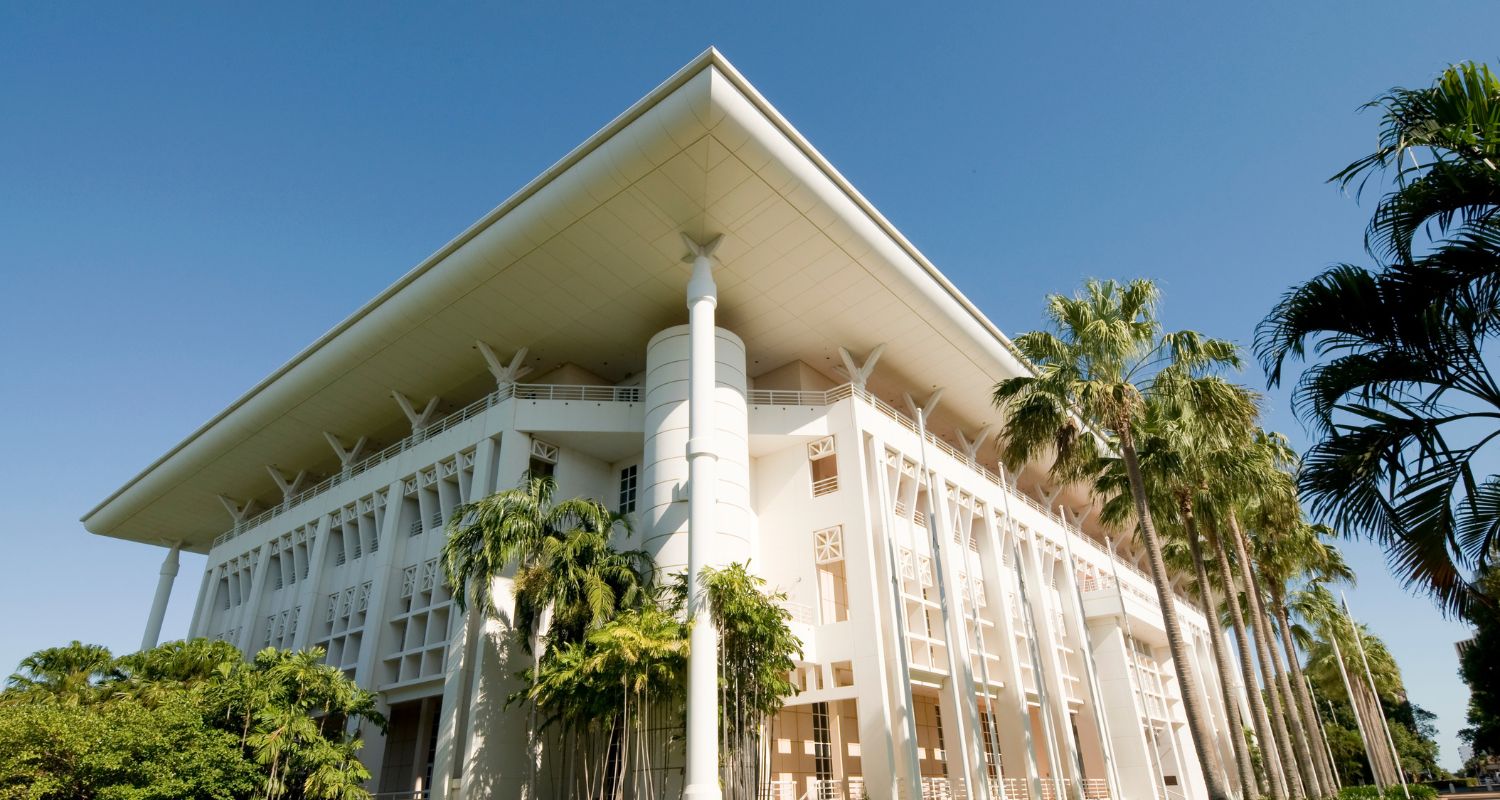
<point>186,719</point>
<point>70,674</point>
<point>1182,457</point>
<point>1305,555</point>
<point>1480,668</point>
<point>757,653</point>
<point>1104,356</point>
<point>1402,399</point>
<point>568,579</point>
<point>56,750</point>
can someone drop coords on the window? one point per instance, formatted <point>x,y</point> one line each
<point>543,459</point>
<point>825,466</point>
<point>833,585</point>
<point>843,673</point>
<point>822,743</point>
<point>628,479</point>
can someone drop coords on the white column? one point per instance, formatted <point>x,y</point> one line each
<point>453,716</point>
<point>702,774</point>
<point>163,593</point>
<point>906,768</point>
<point>308,591</point>
<point>248,619</point>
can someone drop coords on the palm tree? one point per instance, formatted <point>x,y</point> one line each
<point>1403,400</point>
<point>1308,557</point>
<point>1269,506</point>
<point>1181,457</point>
<point>1248,476</point>
<point>1275,775</point>
<point>563,567</point>
<point>1105,355</point>
<point>1292,551</point>
<point>70,674</point>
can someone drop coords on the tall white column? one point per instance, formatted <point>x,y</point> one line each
<point>702,774</point>
<point>163,593</point>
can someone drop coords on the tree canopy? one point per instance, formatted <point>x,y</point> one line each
<point>187,719</point>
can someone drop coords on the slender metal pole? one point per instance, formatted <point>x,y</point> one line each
<point>1359,721</point>
<point>1091,670</point>
<point>991,735</point>
<point>1370,677</point>
<point>1135,669</point>
<point>1333,766</point>
<point>943,606</point>
<point>911,765</point>
<point>1038,672</point>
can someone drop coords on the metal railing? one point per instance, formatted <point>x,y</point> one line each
<point>599,394</point>
<point>1095,789</point>
<point>525,391</point>
<point>936,789</point>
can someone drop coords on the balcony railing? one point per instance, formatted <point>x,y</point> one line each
<point>526,391</point>
<point>600,394</point>
<point>827,485</point>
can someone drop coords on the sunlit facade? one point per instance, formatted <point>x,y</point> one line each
<point>966,631</point>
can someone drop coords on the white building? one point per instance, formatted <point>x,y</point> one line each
<point>1009,652</point>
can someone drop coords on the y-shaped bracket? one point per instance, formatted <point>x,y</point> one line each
<point>287,487</point>
<point>859,372</point>
<point>971,448</point>
<point>347,455</point>
<point>505,374</point>
<point>237,511</point>
<point>926,408</point>
<point>418,420</point>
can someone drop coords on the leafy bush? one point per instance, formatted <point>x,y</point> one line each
<point>190,720</point>
<point>1418,792</point>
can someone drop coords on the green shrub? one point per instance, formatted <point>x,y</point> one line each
<point>1418,792</point>
<point>1359,793</point>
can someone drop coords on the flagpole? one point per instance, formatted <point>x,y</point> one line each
<point>1369,676</point>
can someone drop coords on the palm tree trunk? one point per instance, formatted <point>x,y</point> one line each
<point>1192,700</point>
<point>1263,650</point>
<point>1274,778</point>
<point>1221,656</point>
<point>1304,699</point>
<point>1303,740</point>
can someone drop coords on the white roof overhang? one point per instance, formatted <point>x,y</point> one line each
<point>583,265</point>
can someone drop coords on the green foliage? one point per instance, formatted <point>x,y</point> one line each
<point>757,649</point>
<point>119,750</point>
<point>1480,668</point>
<point>1399,389</point>
<point>184,720</point>
<point>1417,790</point>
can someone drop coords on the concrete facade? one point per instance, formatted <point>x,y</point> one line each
<point>967,632</point>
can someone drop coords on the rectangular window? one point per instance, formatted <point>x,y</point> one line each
<point>543,459</point>
<point>823,459</point>
<point>822,743</point>
<point>833,586</point>
<point>833,592</point>
<point>628,479</point>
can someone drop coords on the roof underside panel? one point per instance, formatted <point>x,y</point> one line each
<point>583,266</point>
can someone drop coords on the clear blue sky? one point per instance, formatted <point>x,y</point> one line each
<point>190,193</point>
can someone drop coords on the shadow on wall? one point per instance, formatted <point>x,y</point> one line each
<point>495,764</point>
